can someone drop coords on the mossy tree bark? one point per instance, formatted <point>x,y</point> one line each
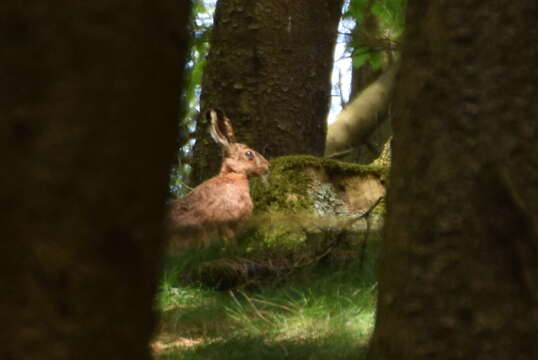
<point>269,69</point>
<point>459,269</point>
<point>88,103</point>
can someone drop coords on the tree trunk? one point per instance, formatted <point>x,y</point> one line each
<point>363,128</point>
<point>269,69</point>
<point>362,116</point>
<point>362,77</point>
<point>88,105</point>
<point>459,269</point>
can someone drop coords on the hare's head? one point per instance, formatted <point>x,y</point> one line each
<point>238,158</point>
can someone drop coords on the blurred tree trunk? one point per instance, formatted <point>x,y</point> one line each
<point>459,268</point>
<point>88,105</point>
<point>269,69</point>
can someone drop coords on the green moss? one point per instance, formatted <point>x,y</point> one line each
<point>289,184</point>
<point>286,191</point>
<point>281,236</point>
<point>332,166</point>
<point>300,190</point>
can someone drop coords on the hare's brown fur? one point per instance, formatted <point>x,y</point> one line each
<point>215,207</point>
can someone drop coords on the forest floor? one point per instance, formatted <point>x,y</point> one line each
<point>321,311</point>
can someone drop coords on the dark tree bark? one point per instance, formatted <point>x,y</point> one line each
<point>88,102</point>
<point>459,268</point>
<point>269,69</point>
<point>362,77</point>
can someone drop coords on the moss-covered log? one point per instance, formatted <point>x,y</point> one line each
<point>318,186</point>
<point>311,209</point>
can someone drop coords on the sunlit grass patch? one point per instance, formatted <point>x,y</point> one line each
<point>321,311</point>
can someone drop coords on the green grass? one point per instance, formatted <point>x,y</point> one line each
<point>322,311</point>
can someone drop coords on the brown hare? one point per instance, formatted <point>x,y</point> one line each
<point>215,207</point>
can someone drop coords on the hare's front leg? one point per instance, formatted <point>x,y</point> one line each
<point>227,233</point>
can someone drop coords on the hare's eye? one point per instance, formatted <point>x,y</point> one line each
<point>249,155</point>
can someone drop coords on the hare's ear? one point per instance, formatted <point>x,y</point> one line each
<point>221,129</point>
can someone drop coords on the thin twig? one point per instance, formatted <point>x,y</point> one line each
<point>364,244</point>
<point>340,154</point>
<point>256,311</point>
<point>187,186</point>
<point>366,216</point>
<point>283,307</point>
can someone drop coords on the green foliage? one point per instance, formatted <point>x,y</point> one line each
<point>369,41</point>
<point>374,58</point>
<point>201,27</point>
<point>199,7</point>
<point>391,13</point>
